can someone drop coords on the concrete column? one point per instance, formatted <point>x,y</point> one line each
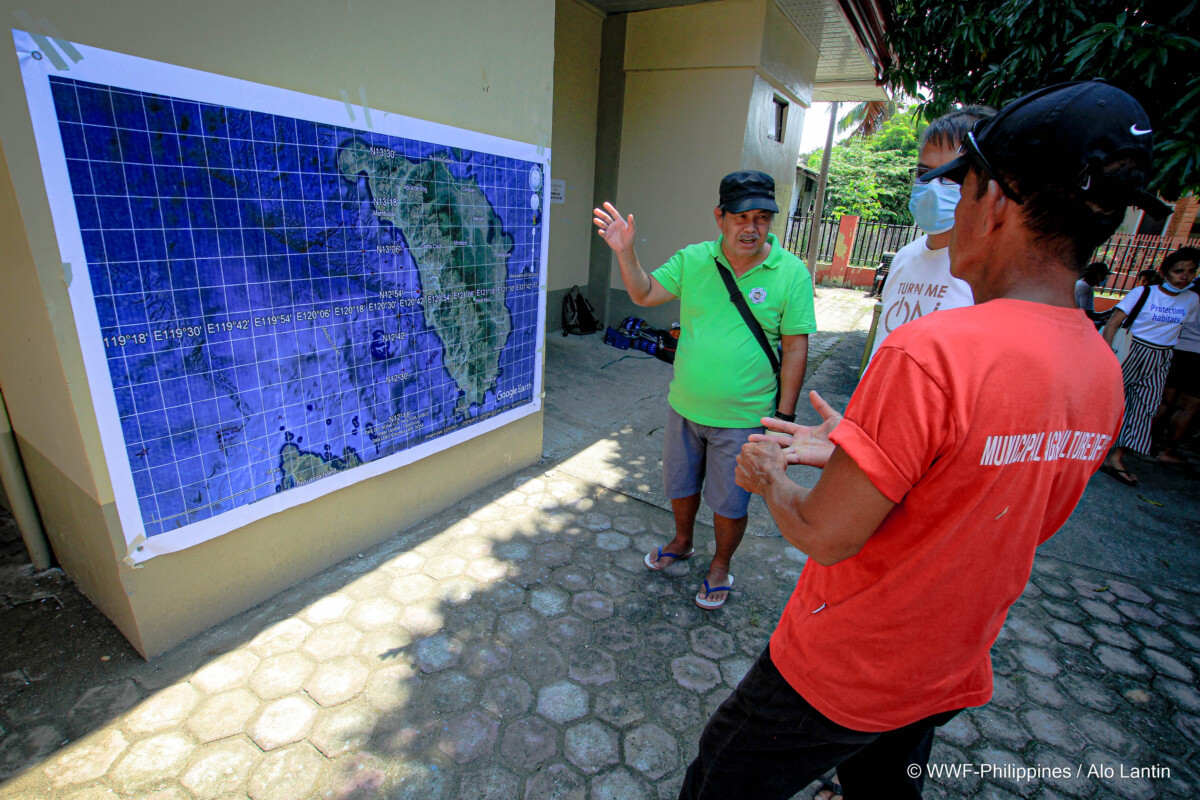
<point>609,121</point>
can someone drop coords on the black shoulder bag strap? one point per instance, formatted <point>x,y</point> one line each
<point>1137,309</point>
<point>739,301</point>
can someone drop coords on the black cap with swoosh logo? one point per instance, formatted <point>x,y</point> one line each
<point>1060,134</point>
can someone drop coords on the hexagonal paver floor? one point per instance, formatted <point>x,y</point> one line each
<point>515,646</point>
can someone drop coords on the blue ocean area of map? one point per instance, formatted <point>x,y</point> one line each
<point>263,322</point>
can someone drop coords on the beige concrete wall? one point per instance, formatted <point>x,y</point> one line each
<point>776,158</point>
<point>471,63</point>
<point>787,68</point>
<point>699,91</point>
<point>35,312</point>
<point>577,31</point>
<point>717,34</point>
<point>787,58</point>
<point>683,131</point>
<point>287,547</point>
<point>85,536</point>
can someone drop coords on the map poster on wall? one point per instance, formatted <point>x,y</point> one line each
<point>279,295</point>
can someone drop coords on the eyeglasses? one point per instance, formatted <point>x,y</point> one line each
<point>916,173</point>
<point>970,147</point>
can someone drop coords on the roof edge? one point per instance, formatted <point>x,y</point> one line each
<point>870,20</point>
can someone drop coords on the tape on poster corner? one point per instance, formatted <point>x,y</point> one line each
<point>362,95</point>
<point>67,276</point>
<point>346,102</point>
<point>41,41</point>
<point>134,547</point>
<point>541,144</point>
<point>63,43</point>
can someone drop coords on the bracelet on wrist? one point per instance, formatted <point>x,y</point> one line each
<point>785,417</point>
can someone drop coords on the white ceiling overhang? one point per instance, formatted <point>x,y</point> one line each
<point>845,71</point>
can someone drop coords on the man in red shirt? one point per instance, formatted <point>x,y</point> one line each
<point>921,531</point>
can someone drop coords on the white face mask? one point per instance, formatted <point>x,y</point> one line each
<point>932,205</point>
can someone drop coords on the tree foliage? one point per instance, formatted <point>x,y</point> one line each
<point>868,176</point>
<point>867,117</point>
<point>994,51</point>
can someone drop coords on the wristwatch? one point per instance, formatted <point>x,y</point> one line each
<point>785,417</point>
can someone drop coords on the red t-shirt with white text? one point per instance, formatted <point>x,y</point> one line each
<point>984,425</point>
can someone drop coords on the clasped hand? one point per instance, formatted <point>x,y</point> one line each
<point>766,455</point>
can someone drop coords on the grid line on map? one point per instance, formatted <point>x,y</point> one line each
<point>438,391</point>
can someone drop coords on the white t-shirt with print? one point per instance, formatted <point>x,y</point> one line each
<point>1163,316</point>
<point>1189,336</point>
<point>918,283</point>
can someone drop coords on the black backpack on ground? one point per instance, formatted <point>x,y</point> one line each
<point>578,316</point>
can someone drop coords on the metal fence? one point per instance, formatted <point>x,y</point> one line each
<point>876,238</point>
<point>1127,254</point>
<point>870,243</point>
<point>800,227</point>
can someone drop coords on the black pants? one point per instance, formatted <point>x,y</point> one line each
<point>765,741</point>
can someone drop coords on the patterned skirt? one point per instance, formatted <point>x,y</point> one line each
<point>1145,372</point>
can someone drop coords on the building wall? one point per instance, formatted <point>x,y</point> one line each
<point>577,32</point>
<point>787,66</point>
<point>787,58</point>
<point>699,101</point>
<point>701,36</point>
<point>470,63</point>
<point>683,132</point>
<point>776,158</point>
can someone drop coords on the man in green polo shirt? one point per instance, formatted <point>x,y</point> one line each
<point>724,381</point>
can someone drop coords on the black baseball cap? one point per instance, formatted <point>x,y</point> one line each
<point>1060,135</point>
<point>748,189</point>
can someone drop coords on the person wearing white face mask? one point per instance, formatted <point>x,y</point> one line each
<point>1159,314</point>
<point>967,444</point>
<point>919,280</point>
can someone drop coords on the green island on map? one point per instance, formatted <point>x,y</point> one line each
<point>461,252</point>
<point>300,467</point>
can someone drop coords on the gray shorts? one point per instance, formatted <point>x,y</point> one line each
<point>696,456</point>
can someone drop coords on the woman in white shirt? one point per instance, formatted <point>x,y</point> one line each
<point>1181,398</point>
<point>1155,330</point>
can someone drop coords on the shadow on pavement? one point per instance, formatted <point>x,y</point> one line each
<point>514,645</point>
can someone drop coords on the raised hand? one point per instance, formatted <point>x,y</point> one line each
<point>617,232</point>
<point>809,444</point>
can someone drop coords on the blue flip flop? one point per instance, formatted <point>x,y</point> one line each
<point>830,785</point>
<point>709,605</point>
<point>658,565</point>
